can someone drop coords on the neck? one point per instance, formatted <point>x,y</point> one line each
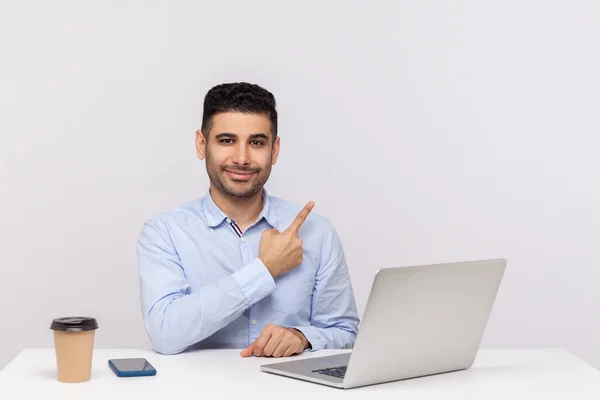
<point>243,211</point>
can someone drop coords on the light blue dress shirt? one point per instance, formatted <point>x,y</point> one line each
<point>202,285</point>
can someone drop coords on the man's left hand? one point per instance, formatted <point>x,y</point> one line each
<point>276,341</point>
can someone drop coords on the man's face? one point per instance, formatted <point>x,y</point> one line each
<point>239,152</point>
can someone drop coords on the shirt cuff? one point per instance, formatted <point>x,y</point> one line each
<point>313,336</point>
<point>255,281</point>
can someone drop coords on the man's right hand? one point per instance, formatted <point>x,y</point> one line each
<point>282,251</point>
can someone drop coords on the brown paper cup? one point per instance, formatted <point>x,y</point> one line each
<point>74,348</point>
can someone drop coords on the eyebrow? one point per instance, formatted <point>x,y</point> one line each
<point>254,136</point>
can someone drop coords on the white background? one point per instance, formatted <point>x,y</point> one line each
<point>426,131</point>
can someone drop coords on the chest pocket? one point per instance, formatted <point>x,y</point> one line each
<point>293,290</point>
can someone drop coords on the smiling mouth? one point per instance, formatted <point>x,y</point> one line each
<point>240,175</point>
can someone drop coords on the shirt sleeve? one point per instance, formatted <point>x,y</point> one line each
<point>175,316</point>
<point>334,318</point>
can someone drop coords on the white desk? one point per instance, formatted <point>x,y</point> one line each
<point>222,374</point>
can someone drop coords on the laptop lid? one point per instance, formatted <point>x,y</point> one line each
<point>423,320</point>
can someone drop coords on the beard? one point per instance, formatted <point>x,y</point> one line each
<point>239,189</point>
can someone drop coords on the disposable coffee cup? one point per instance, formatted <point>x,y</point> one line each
<point>74,348</point>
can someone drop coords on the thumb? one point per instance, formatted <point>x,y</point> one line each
<point>248,351</point>
<point>270,232</point>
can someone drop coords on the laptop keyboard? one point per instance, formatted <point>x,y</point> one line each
<point>338,372</point>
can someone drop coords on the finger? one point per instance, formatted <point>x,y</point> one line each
<point>273,342</point>
<point>261,342</point>
<point>281,348</point>
<point>247,352</point>
<point>300,218</point>
<point>290,351</point>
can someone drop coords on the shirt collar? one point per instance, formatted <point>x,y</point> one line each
<point>214,215</point>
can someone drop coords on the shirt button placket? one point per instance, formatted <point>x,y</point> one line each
<point>256,309</point>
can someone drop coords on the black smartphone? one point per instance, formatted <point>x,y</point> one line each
<point>126,367</point>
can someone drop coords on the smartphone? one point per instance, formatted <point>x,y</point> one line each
<point>126,367</point>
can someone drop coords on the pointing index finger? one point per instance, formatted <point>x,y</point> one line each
<point>301,217</point>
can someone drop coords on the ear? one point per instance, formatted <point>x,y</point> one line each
<point>275,151</point>
<point>200,144</point>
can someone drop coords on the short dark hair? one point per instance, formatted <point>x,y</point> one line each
<point>241,97</point>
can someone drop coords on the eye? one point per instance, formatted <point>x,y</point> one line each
<point>257,143</point>
<point>226,141</point>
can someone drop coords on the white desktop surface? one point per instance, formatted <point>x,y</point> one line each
<point>223,374</point>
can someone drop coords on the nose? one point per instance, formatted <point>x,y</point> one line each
<point>241,155</point>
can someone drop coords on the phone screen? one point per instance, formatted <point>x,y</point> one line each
<point>132,364</point>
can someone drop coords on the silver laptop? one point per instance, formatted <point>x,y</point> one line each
<point>418,321</point>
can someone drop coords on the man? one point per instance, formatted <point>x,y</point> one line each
<point>239,268</point>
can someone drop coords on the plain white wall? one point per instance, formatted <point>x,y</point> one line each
<point>426,131</point>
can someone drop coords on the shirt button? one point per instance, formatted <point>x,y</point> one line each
<point>228,220</point>
<point>254,322</point>
<point>243,240</point>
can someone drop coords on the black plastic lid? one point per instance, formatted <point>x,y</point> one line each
<point>74,324</point>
